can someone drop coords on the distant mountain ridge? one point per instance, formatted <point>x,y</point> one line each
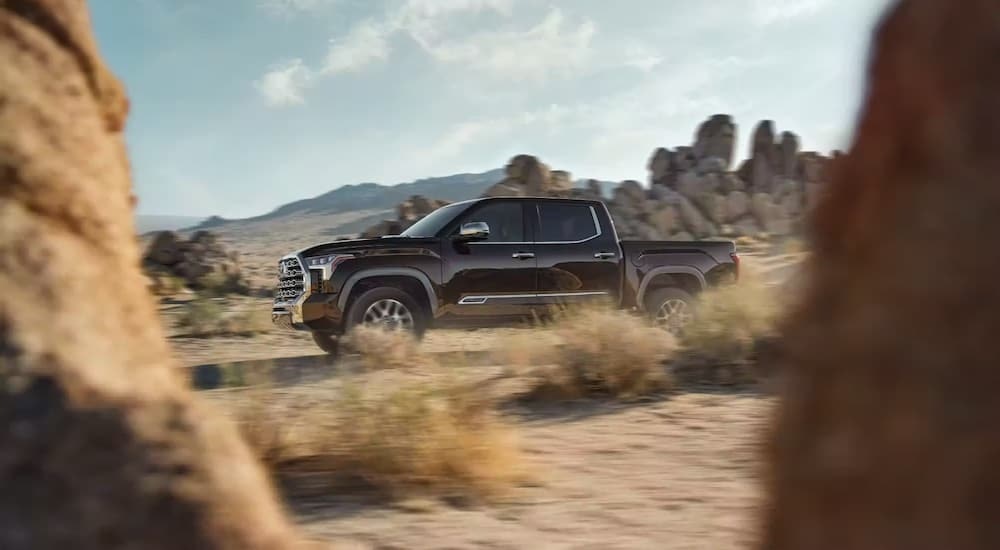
<point>145,223</point>
<point>375,196</point>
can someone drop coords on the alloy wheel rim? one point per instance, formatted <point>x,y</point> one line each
<point>389,314</point>
<point>674,315</point>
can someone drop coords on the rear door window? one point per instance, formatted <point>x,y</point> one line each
<point>563,222</point>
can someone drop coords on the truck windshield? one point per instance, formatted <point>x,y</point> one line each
<point>434,222</point>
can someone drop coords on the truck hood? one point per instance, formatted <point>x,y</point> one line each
<point>362,245</point>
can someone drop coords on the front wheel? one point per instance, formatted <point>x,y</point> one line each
<point>389,308</point>
<point>327,342</point>
<point>671,309</point>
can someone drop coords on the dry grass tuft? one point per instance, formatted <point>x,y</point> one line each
<point>384,349</point>
<point>730,318</point>
<point>601,352</point>
<point>430,436</point>
<point>205,316</point>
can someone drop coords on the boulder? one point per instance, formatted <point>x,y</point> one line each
<point>747,226</point>
<point>763,210</point>
<point>791,204</point>
<point>506,188</point>
<point>516,166</point>
<point>406,211</point>
<point>632,191</point>
<point>689,185</point>
<point>737,206</point>
<point>730,182</point>
<point>165,249</point>
<point>683,159</point>
<point>665,220</point>
<point>693,220</point>
<point>536,177</point>
<point>682,236</point>
<point>811,167</point>
<point>787,164</point>
<point>423,206</point>
<point>199,261</point>
<point>659,166</point>
<point>762,144</point>
<point>761,175</point>
<point>712,165</point>
<point>560,181</point>
<point>716,138</point>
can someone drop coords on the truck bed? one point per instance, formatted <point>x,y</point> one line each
<point>720,251</point>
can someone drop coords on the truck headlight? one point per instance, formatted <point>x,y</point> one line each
<point>325,266</point>
<point>330,260</point>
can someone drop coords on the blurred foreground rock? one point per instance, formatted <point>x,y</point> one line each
<point>886,435</point>
<point>102,444</point>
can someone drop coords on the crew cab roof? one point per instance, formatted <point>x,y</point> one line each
<point>531,198</point>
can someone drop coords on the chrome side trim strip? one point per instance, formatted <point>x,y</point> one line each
<point>482,299</point>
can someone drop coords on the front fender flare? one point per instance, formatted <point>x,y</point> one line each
<point>414,273</point>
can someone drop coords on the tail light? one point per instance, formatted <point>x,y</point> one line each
<point>736,265</point>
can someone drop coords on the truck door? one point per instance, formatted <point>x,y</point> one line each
<point>578,261</point>
<point>494,277</point>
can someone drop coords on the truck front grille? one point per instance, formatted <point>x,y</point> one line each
<point>291,281</point>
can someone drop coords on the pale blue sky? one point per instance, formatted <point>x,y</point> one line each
<point>241,105</point>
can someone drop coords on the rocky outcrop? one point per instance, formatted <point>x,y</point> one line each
<point>529,177</point>
<point>408,213</point>
<point>102,444</point>
<point>693,193</point>
<point>886,430</point>
<point>198,263</point>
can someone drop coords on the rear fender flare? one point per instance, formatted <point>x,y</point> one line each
<point>667,270</point>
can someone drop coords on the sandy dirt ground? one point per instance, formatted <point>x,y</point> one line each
<point>679,472</point>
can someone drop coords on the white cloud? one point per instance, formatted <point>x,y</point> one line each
<point>551,47</point>
<point>766,12</point>
<point>285,83</point>
<point>366,43</point>
<point>641,57</point>
<point>292,7</point>
<point>429,9</point>
<point>555,46</point>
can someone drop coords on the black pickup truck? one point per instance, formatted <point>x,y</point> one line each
<point>492,262</point>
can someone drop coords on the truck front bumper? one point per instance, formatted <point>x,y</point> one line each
<point>307,306</point>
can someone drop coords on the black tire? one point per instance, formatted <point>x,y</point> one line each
<point>327,342</point>
<point>680,302</point>
<point>359,306</point>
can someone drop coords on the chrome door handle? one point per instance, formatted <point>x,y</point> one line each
<point>522,255</point>
<point>604,255</point>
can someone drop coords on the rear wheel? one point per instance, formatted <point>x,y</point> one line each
<point>327,342</point>
<point>389,308</point>
<point>671,309</point>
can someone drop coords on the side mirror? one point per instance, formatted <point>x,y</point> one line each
<point>474,231</point>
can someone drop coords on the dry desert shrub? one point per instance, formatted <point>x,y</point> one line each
<point>434,435</point>
<point>380,348</point>
<point>601,352</point>
<point>205,317</point>
<point>730,319</point>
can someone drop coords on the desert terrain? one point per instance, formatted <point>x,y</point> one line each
<point>676,470</point>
